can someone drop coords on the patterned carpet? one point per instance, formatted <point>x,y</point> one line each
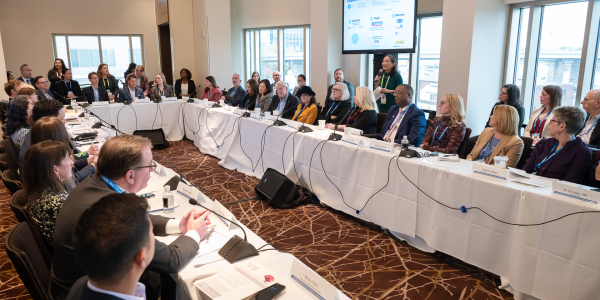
<point>358,258</point>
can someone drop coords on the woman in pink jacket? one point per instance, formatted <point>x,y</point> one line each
<point>212,91</point>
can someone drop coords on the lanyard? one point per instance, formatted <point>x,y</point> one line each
<point>68,86</point>
<point>535,126</point>
<point>106,83</point>
<point>112,185</point>
<point>161,92</point>
<point>550,155</point>
<point>593,125</point>
<point>282,104</point>
<point>386,83</point>
<point>438,140</point>
<point>299,113</point>
<point>491,151</point>
<point>400,118</point>
<point>327,114</point>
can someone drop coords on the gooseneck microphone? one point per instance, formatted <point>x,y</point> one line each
<point>305,128</point>
<point>64,101</point>
<point>277,122</point>
<point>236,248</point>
<point>336,137</point>
<point>246,113</point>
<point>378,74</point>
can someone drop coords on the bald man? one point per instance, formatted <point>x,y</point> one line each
<point>236,94</point>
<point>590,134</point>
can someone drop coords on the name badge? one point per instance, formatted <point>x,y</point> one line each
<point>220,209</point>
<point>382,146</point>
<point>567,191</point>
<point>383,99</point>
<point>310,282</point>
<point>355,141</point>
<point>491,172</point>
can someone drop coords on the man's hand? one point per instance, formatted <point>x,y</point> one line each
<point>93,150</point>
<point>197,222</point>
<point>183,223</point>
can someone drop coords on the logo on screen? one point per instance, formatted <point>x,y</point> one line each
<point>355,38</point>
<point>349,6</point>
<point>371,18</point>
<point>349,21</point>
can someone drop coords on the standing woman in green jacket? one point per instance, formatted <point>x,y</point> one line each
<point>388,82</point>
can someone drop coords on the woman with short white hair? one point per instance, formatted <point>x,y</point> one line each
<point>160,89</point>
<point>364,115</point>
<point>337,109</point>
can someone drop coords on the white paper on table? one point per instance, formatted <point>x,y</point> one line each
<point>448,157</point>
<point>377,93</point>
<point>240,281</point>
<point>528,179</point>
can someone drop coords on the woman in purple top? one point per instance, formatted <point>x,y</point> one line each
<point>563,156</point>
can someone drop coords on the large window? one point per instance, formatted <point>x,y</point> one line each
<point>553,43</point>
<point>285,49</point>
<point>83,53</point>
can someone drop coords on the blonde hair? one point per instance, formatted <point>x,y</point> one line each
<point>507,119</point>
<point>163,78</point>
<point>366,98</point>
<point>141,68</point>
<point>457,110</point>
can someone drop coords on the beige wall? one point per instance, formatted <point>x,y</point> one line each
<point>181,27</point>
<point>3,95</point>
<point>27,28</point>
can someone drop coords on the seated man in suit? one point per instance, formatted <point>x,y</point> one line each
<point>590,133</point>
<point>404,119</point>
<point>236,95</point>
<point>283,102</point>
<point>26,75</point>
<point>124,166</point>
<point>94,93</point>
<point>42,90</point>
<point>141,79</point>
<point>114,244</point>
<point>131,91</point>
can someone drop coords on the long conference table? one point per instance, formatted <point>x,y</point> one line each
<point>557,260</point>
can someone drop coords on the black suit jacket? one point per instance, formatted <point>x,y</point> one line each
<point>66,271</point>
<point>62,89</point>
<point>30,80</point>
<point>237,98</point>
<point>595,135</point>
<point>113,84</point>
<point>191,87</point>
<point>80,290</point>
<point>339,109</point>
<point>365,121</point>
<point>288,109</point>
<point>88,94</point>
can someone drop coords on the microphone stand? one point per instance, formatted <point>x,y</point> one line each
<point>305,128</point>
<point>64,101</point>
<point>336,137</point>
<point>104,122</point>
<point>246,113</point>
<point>277,122</point>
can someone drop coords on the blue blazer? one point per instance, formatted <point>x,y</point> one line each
<point>125,95</point>
<point>413,125</point>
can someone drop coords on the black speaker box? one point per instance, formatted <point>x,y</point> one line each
<point>156,136</point>
<point>275,187</point>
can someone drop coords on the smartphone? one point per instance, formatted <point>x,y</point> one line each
<point>269,293</point>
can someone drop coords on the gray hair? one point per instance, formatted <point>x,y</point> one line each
<point>21,97</point>
<point>281,82</point>
<point>407,88</point>
<point>345,92</point>
<point>573,117</point>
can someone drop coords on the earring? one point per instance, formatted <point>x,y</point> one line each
<point>59,177</point>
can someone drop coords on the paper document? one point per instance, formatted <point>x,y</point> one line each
<point>523,177</point>
<point>243,280</point>
<point>377,93</point>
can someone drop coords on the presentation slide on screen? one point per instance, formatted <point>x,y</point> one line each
<point>370,25</point>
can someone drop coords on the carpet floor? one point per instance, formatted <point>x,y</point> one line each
<point>358,258</point>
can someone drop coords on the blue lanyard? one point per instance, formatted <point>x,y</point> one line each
<point>68,86</point>
<point>208,94</point>
<point>550,155</point>
<point>491,151</point>
<point>594,125</point>
<point>535,126</point>
<point>112,185</point>
<point>333,108</point>
<point>299,113</point>
<point>403,112</point>
<point>438,140</point>
<point>161,92</point>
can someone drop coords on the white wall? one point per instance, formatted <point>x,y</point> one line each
<point>3,80</point>
<point>27,28</point>
<point>219,43</point>
<point>181,27</point>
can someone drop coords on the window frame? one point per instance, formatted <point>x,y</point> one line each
<point>413,73</point>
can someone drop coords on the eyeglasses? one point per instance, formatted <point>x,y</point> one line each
<point>552,120</point>
<point>336,90</point>
<point>43,82</point>
<point>152,167</point>
<point>503,93</point>
<point>305,95</point>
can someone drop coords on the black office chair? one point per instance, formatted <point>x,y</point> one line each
<point>463,144</point>
<point>13,157</point>
<point>26,255</point>
<point>17,204</point>
<point>12,184</point>
<point>150,84</point>
<point>527,142</point>
<point>380,121</point>
<point>319,109</point>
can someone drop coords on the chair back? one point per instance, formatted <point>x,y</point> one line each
<point>380,121</point>
<point>27,257</point>
<point>463,144</point>
<point>17,204</point>
<point>12,184</point>
<point>319,109</point>
<point>527,142</point>
<point>3,162</point>
<point>13,156</point>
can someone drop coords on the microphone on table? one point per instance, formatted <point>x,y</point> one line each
<point>378,74</point>
<point>236,248</point>
<point>336,137</point>
<point>305,128</point>
<point>190,100</point>
<point>409,153</point>
<point>64,101</point>
<point>246,113</point>
<point>282,123</point>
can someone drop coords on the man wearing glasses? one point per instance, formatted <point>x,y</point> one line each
<point>590,133</point>
<point>42,89</point>
<point>124,166</point>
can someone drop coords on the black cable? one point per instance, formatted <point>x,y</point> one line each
<point>156,115</point>
<point>178,118</point>
<point>294,163</point>
<point>310,165</point>
<point>136,120</point>
<point>283,151</point>
<point>269,244</point>
<point>187,125</point>
<point>321,156</point>
<point>381,189</point>
<point>211,135</point>
<point>162,119</point>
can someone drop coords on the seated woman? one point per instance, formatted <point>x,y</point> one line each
<point>68,88</point>
<point>184,86</point>
<point>450,129</point>
<point>160,89</point>
<point>563,156</point>
<point>49,165</point>
<point>501,139</point>
<point>364,115</point>
<point>29,91</point>
<point>19,120</point>
<point>251,94</point>
<point>108,82</point>
<point>212,91</point>
<point>52,128</point>
<point>537,128</point>
<point>340,105</point>
<point>301,84</point>
<point>265,95</point>
<point>307,109</point>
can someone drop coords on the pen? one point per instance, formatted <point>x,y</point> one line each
<point>209,234</point>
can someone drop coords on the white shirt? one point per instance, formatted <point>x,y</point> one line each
<point>184,89</point>
<point>132,93</point>
<point>586,132</point>
<point>140,292</point>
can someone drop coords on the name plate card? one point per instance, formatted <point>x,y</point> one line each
<point>382,146</point>
<point>205,102</point>
<point>160,170</point>
<point>189,192</point>
<point>310,282</point>
<point>100,104</point>
<point>355,140</point>
<point>238,111</point>
<point>255,115</point>
<point>491,171</point>
<point>170,99</point>
<point>292,124</point>
<point>573,192</point>
<point>146,100</point>
<point>220,209</point>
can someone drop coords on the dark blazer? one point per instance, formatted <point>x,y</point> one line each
<point>81,291</point>
<point>125,95</point>
<point>595,135</point>
<point>62,88</point>
<point>191,87</point>
<point>88,94</point>
<point>53,77</point>
<point>413,125</point>
<point>113,84</point>
<point>249,102</point>
<point>235,99</point>
<point>520,110</point>
<point>570,164</point>
<point>365,121</point>
<point>350,89</point>
<point>288,109</point>
<point>339,109</point>
<point>42,97</point>
<point>154,94</point>
<point>66,271</point>
<point>29,82</point>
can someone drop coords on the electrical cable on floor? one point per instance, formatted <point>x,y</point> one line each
<point>134,112</point>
